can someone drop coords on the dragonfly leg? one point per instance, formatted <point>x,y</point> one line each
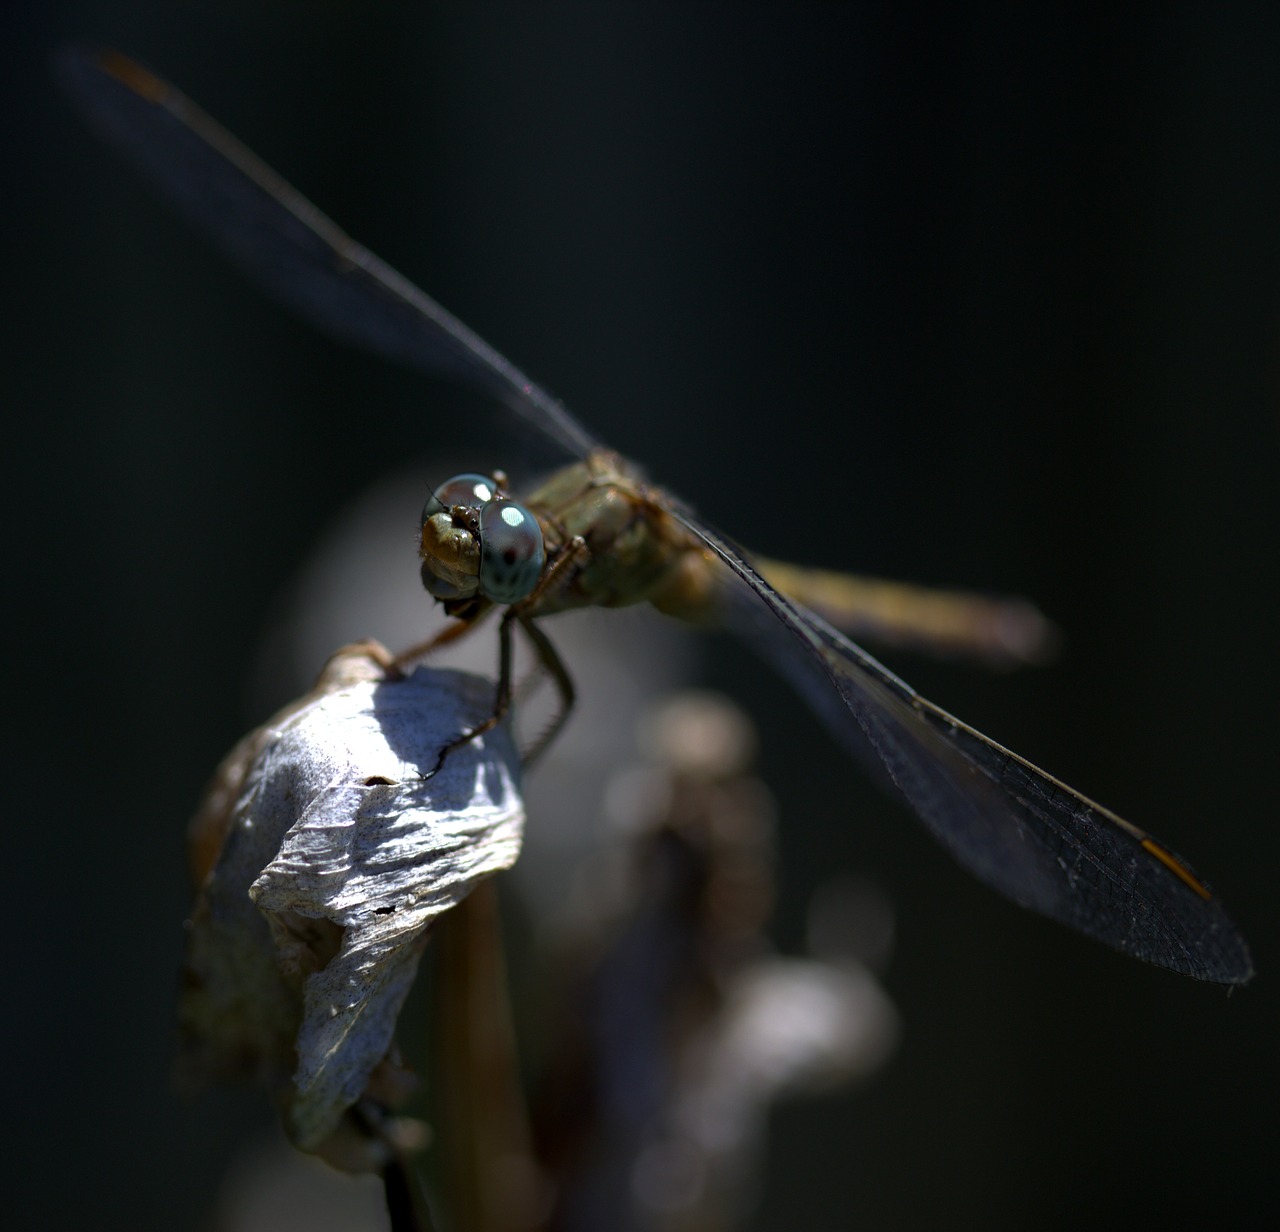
<point>547,656</point>
<point>502,700</point>
<point>554,664</point>
<point>445,637</point>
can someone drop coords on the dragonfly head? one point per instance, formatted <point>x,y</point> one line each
<point>476,542</point>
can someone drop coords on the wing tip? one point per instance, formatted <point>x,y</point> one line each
<point>80,67</point>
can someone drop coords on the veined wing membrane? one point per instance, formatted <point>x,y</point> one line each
<point>1017,829</point>
<point>287,246</point>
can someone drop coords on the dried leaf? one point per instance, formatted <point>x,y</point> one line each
<point>336,856</point>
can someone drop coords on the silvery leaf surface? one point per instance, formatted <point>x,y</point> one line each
<point>337,856</point>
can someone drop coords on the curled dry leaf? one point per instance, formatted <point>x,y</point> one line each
<point>323,857</point>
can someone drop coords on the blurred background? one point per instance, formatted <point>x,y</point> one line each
<point>983,299</point>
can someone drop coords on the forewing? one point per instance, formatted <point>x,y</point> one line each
<point>1019,830</point>
<point>287,246</point>
<point>1016,828</point>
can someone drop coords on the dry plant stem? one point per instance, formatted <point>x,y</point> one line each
<point>480,1116</point>
<point>406,1205</point>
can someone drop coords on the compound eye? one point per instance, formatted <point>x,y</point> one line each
<point>511,551</point>
<point>470,490</point>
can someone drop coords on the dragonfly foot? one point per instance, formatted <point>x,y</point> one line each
<point>456,743</point>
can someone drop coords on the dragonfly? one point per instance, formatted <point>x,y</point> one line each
<point>599,533</point>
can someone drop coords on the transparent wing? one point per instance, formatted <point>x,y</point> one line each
<point>1017,829</point>
<point>287,246</point>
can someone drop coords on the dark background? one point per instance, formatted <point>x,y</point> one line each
<point>988,299</point>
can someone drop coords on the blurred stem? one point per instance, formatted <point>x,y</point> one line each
<point>406,1204</point>
<point>481,1121</point>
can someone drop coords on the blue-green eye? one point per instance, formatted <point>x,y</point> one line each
<point>470,490</point>
<point>511,551</point>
